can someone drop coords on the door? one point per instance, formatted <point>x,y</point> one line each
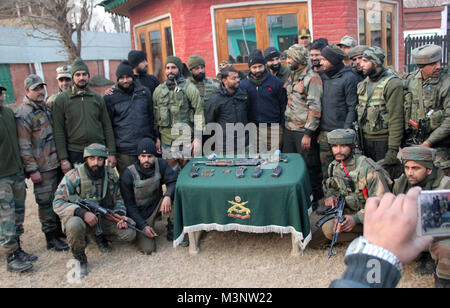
<point>5,80</point>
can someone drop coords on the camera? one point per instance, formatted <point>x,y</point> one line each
<point>434,213</point>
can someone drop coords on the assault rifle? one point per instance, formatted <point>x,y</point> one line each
<point>419,133</point>
<point>238,161</point>
<point>359,137</point>
<point>335,213</point>
<point>99,211</point>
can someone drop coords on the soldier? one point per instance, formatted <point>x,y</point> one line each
<point>38,151</point>
<point>356,178</point>
<point>303,113</point>
<point>205,85</point>
<point>64,79</point>
<point>304,38</point>
<point>141,188</point>
<point>94,181</point>
<point>12,194</point>
<point>355,54</point>
<point>429,87</point>
<point>346,44</point>
<point>177,101</point>
<point>79,119</point>
<point>419,170</point>
<point>273,64</point>
<point>380,108</point>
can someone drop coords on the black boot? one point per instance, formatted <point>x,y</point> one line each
<point>16,264</point>
<point>102,243</point>
<point>426,266</point>
<point>53,242</point>
<point>25,257</point>
<point>81,257</point>
<point>169,229</point>
<point>440,283</point>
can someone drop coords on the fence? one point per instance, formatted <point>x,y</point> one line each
<point>414,42</point>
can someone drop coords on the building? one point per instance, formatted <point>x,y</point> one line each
<point>426,18</point>
<point>24,53</point>
<point>225,29</point>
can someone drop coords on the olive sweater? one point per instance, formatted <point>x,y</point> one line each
<point>10,163</point>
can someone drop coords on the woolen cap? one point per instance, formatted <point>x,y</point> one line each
<point>256,57</point>
<point>194,61</point>
<point>146,146</point>
<point>427,54</point>
<point>333,54</point>
<point>124,68</point>
<point>79,65</point>
<point>135,57</point>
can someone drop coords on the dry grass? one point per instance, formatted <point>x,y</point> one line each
<point>226,259</point>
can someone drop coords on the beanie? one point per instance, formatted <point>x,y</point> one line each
<point>177,61</point>
<point>124,68</point>
<point>135,57</point>
<point>319,44</point>
<point>195,61</point>
<point>333,54</point>
<point>146,146</point>
<point>271,53</point>
<point>79,65</point>
<point>256,57</point>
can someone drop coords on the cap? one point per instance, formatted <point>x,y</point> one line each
<point>95,149</point>
<point>341,136</point>
<point>146,146</point>
<point>420,154</point>
<point>33,81</point>
<point>427,54</point>
<point>375,55</point>
<point>347,41</point>
<point>271,53</point>
<point>298,53</point>
<point>195,61</point>
<point>256,57</point>
<point>304,32</point>
<point>63,71</point>
<point>357,51</point>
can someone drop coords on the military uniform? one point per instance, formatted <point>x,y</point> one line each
<point>62,71</point>
<point>303,113</point>
<point>356,180</point>
<point>380,111</point>
<point>38,152</point>
<point>440,249</point>
<point>430,100</point>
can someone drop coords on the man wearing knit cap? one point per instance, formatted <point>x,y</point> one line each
<point>315,53</point>
<point>80,118</point>
<point>303,112</point>
<point>141,188</point>
<point>430,101</point>
<point>380,109</point>
<point>267,103</point>
<point>419,170</point>
<point>64,79</point>
<point>205,85</point>
<point>179,115</point>
<point>346,43</point>
<point>273,64</point>
<point>138,61</point>
<point>355,54</point>
<point>130,108</point>
<point>338,102</point>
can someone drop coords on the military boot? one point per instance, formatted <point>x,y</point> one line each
<point>102,243</point>
<point>440,283</point>
<point>14,263</point>
<point>426,266</point>
<point>25,257</point>
<point>81,257</point>
<point>53,242</point>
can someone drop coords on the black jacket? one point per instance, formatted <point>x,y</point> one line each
<point>224,107</point>
<point>131,117</point>
<point>148,81</point>
<point>141,214</point>
<point>339,99</point>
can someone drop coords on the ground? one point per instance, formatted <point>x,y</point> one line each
<point>226,259</point>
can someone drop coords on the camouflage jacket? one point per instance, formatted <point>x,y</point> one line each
<point>205,87</point>
<point>437,180</point>
<point>36,139</point>
<point>434,106</point>
<point>303,110</point>
<point>76,184</point>
<point>365,179</point>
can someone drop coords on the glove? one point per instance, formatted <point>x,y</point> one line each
<point>391,157</point>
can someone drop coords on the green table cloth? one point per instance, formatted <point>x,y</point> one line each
<point>261,205</point>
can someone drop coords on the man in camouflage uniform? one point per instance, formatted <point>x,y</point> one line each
<point>380,108</point>
<point>94,181</point>
<point>64,79</point>
<point>419,170</point>
<point>356,178</point>
<point>178,103</point>
<point>303,113</point>
<point>12,193</point>
<point>430,101</point>
<point>205,85</point>
<point>346,44</point>
<point>355,54</point>
<point>38,152</point>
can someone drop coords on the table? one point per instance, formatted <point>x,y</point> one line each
<point>261,205</point>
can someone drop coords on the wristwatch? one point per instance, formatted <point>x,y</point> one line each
<point>363,246</point>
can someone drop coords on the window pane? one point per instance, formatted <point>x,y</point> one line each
<point>156,54</point>
<point>169,47</point>
<point>282,31</point>
<point>142,39</point>
<point>241,35</point>
<point>389,37</point>
<point>374,18</point>
<point>362,27</point>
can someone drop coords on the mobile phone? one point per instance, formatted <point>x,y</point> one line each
<point>434,213</point>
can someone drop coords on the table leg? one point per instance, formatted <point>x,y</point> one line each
<point>295,248</point>
<point>194,242</point>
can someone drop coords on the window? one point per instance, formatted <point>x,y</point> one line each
<point>257,27</point>
<point>155,39</point>
<point>377,27</point>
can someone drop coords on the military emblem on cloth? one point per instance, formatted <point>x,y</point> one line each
<point>238,208</point>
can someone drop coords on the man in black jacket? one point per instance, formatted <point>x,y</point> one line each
<point>227,105</point>
<point>338,102</point>
<point>138,61</point>
<point>130,108</point>
<point>140,185</point>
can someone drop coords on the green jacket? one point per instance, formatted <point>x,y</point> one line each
<point>80,118</point>
<point>437,180</point>
<point>10,162</point>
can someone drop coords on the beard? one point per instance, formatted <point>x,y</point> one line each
<point>95,172</point>
<point>81,84</point>
<point>142,71</point>
<point>199,77</point>
<point>275,67</point>
<point>370,71</point>
<point>294,66</point>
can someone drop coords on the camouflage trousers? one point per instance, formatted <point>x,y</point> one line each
<point>12,211</point>
<point>440,251</point>
<point>442,159</point>
<point>325,153</point>
<point>145,244</point>
<point>77,230</point>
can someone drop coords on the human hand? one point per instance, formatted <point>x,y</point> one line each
<point>122,223</point>
<point>196,147</point>
<point>331,201</point>
<point>166,206</point>
<point>347,225</point>
<point>426,144</point>
<point>306,142</point>
<point>391,222</point>
<point>65,166</point>
<point>158,146</point>
<point>36,177</point>
<point>149,232</point>
<point>112,161</point>
<point>109,91</point>
<point>90,219</point>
